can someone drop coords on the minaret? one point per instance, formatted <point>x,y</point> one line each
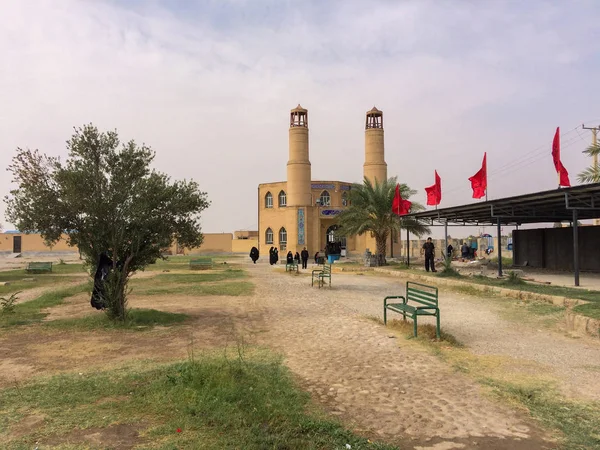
<point>298,211</point>
<point>375,167</point>
<point>298,166</point>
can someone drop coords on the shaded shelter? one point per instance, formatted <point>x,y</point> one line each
<point>557,205</point>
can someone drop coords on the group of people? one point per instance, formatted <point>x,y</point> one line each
<point>301,257</point>
<point>298,257</point>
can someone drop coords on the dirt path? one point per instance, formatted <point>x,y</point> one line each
<point>479,323</point>
<point>381,385</point>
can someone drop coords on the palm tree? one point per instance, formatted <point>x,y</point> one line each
<point>370,210</point>
<point>592,173</point>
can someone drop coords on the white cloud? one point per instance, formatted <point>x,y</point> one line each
<point>210,87</point>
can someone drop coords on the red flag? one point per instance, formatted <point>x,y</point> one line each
<point>558,165</point>
<point>434,193</point>
<point>479,180</point>
<point>400,207</point>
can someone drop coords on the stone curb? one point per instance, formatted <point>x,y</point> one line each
<point>574,322</point>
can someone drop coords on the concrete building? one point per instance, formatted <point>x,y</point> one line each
<point>301,212</point>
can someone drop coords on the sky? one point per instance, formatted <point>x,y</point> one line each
<point>209,85</point>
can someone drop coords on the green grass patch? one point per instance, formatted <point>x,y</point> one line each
<point>181,262</point>
<point>16,278</point>
<point>560,291</point>
<point>179,278</point>
<point>577,421</point>
<point>228,288</point>
<point>31,311</point>
<point>137,319</point>
<point>506,262</point>
<point>544,309</point>
<point>590,310</point>
<point>250,402</point>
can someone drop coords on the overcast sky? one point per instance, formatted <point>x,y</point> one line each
<point>209,86</point>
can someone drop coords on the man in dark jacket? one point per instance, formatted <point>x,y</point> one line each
<point>304,257</point>
<point>429,251</point>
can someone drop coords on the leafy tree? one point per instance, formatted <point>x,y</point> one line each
<point>592,173</point>
<point>370,211</point>
<point>107,199</point>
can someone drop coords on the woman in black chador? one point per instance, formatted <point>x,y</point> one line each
<point>290,258</point>
<point>254,254</point>
<point>271,256</point>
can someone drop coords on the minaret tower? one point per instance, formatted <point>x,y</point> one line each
<point>298,214</point>
<point>298,166</point>
<point>375,167</point>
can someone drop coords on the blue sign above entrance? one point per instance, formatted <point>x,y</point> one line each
<point>330,212</point>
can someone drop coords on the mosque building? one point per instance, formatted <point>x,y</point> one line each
<point>301,212</point>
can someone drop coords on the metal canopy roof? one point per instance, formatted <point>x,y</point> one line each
<point>556,205</point>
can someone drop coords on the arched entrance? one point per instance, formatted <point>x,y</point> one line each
<point>335,243</point>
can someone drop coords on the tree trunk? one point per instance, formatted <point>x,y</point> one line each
<point>124,277</point>
<point>381,242</point>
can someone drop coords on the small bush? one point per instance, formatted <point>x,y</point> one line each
<point>7,304</point>
<point>514,278</point>
<point>448,270</point>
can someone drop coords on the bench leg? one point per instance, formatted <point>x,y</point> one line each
<point>437,330</point>
<point>384,315</point>
<point>415,325</point>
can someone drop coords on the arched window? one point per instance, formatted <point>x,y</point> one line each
<point>282,199</point>
<point>269,200</point>
<point>269,236</point>
<point>344,199</point>
<point>282,239</point>
<point>325,199</point>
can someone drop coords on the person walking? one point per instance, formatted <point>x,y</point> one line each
<point>254,254</point>
<point>304,257</point>
<point>429,251</point>
<point>450,251</point>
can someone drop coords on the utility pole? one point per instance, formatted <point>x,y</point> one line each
<point>594,131</point>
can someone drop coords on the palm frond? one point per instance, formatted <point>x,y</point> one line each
<point>370,210</point>
<point>590,175</point>
<point>592,150</point>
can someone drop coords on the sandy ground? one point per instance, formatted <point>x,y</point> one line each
<point>378,383</point>
<point>382,385</point>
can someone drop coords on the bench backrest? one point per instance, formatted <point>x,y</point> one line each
<point>327,269</point>
<point>421,293</point>
<point>39,265</point>
<point>201,261</point>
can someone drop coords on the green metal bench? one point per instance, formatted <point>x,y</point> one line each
<point>423,295</point>
<point>201,264</point>
<point>291,266</point>
<point>320,275</point>
<point>38,267</point>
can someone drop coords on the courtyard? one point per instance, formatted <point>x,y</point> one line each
<point>383,387</point>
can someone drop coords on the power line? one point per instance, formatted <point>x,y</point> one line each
<point>530,157</point>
